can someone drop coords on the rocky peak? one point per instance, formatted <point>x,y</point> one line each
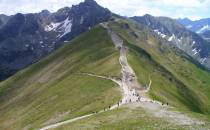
<point>3,19</point>
<point>185,21</point>
<point>90,2</point>
<point>44,13</point>
<point>63,10</point>
<point>13,26</point>
<point>60,15</point>
<point>36,35</point>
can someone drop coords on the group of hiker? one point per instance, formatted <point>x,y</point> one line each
<point>138,99</point>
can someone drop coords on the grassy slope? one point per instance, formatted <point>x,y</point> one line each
<point>126,118</point>
<point>52,90</point>
<point>120,119</point>
<point>175,79</point>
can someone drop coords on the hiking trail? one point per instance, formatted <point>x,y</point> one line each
<point>133,93</point>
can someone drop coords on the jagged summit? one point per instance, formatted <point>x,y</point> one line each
<point>45,11</point>
<point>36,35</point>
<point>90,1</point>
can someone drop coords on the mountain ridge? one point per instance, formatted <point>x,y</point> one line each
<point>142,66</point>
<point>36,35</point>
<point>202,26</point>
<point>174,33</point>
<point>49,30</point>
<point>197,26</point>
<point>58,88</point>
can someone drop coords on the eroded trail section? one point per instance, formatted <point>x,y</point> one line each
<point>133,93</point>
<point>129,82</point>
<point>137,95</point>
<point>117,81</point>
<point>64,122</point>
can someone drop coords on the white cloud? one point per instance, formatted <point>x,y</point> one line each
<point>182,3</point>
<point>194,9</point>
<point>173,8</point>
<point>147,10</point>
<point>32,6</point>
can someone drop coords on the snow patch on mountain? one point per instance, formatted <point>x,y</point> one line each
<point>193,43</point>
<point>180,42</point>
<point>171,38</point>
<point>195,51</point>
<point>203,60</point>
<point>66,27</point>
<point>160,33</point>
<point>51,27</point>
<point>203,29</point>
<point>82,20</point>
<point>27,45</point>
<point>62,28</point>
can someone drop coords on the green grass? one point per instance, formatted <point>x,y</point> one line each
<point>176,79</point>
<point>126,118</point>
<point>52,90</point>
<point>163,87</point>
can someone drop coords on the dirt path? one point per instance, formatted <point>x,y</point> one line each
<point>85,116</point>
<point>133,93</point>
<point>64,122</point>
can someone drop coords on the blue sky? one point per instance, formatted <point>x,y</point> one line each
<point>194,9</point>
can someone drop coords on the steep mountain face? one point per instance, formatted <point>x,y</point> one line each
<point>26,38</point>
<point>176,34</point>
<point>78,19</point>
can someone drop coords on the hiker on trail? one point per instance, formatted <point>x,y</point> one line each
<point>167,103</point>
<point>118,104</point>
<point>130,100</point>
<point>109,107</point>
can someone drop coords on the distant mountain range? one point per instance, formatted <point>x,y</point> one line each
<point>202,26</point>
<point>198,26</point>
<point>174,33</point>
